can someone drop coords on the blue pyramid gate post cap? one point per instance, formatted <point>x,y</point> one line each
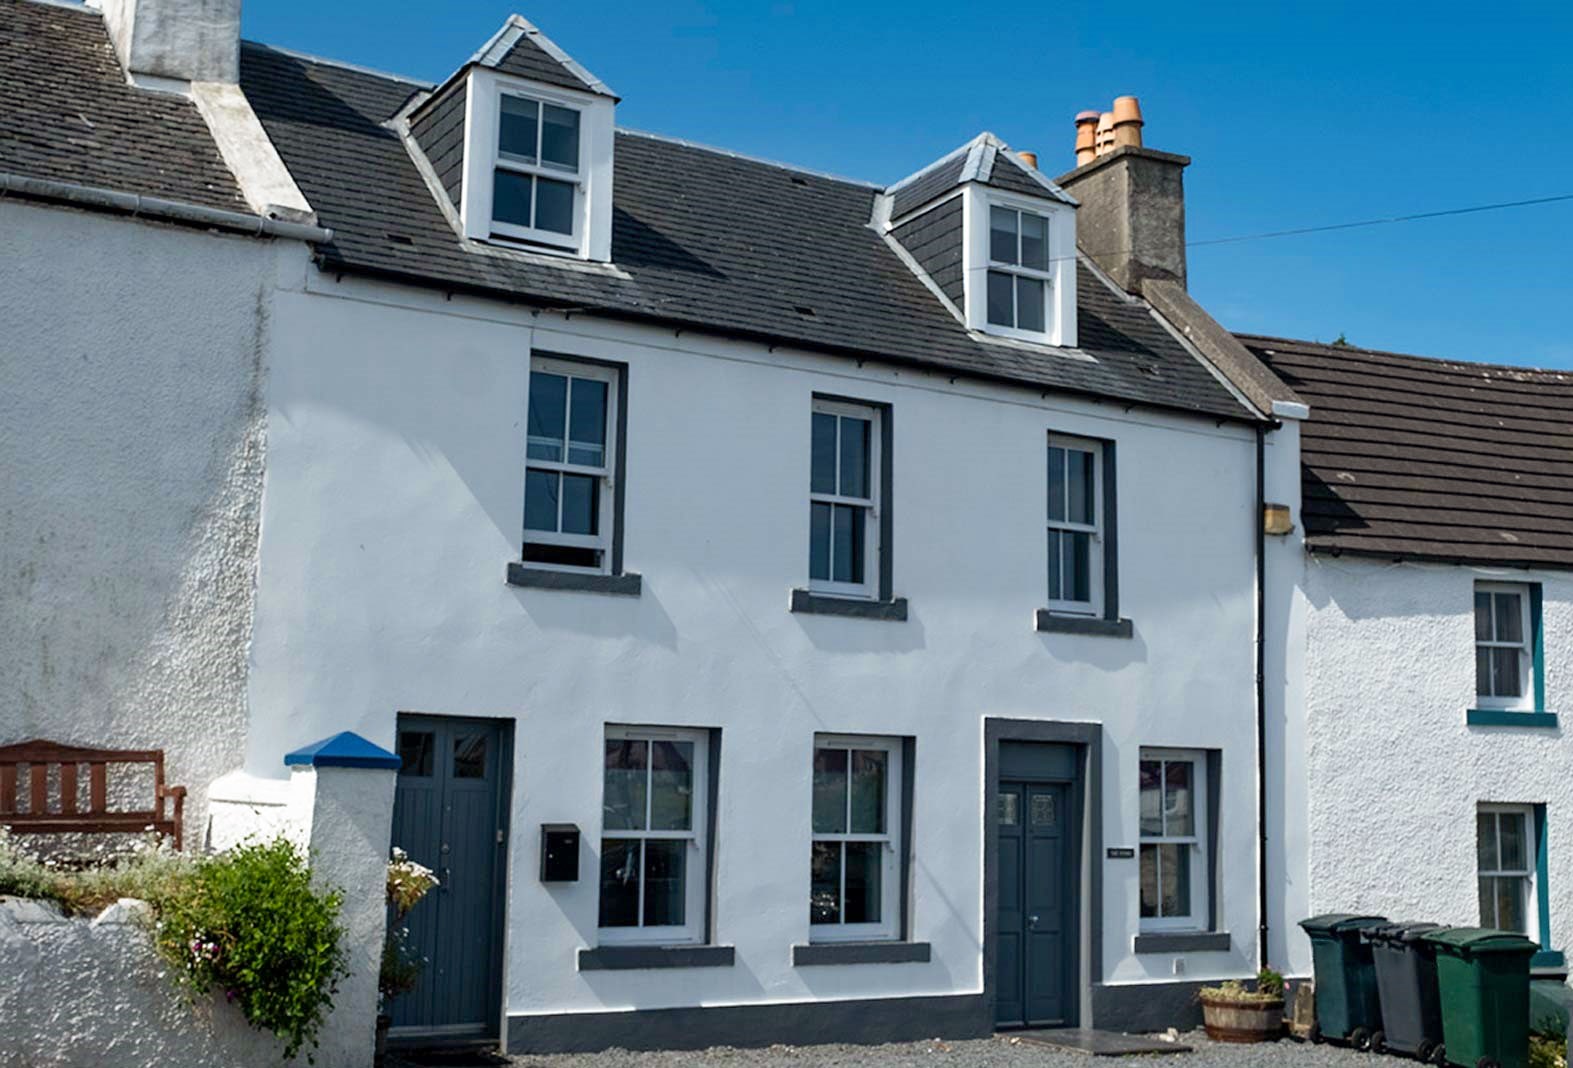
<point>344,750</point>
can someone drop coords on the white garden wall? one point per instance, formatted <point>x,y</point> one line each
<point>1396,771</point>
<point>79,993</point>
<point>132,434</point>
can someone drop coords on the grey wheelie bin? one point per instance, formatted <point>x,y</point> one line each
<point>1406,982</point>
<point>1348,1008</point>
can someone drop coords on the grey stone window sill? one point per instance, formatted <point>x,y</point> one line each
<point>624,958</point>
<point>807,601</point>
<point>1055,623</point>
<point>542,578</point>
<point>1183,942</point>
<point>860,953</point>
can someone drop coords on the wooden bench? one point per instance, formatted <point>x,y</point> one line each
<point>68,816</point>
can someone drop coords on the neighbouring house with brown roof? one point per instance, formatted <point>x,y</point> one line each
<point>1438,638</point>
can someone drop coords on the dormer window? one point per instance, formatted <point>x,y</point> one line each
<point>536,189</point>
<point>1019,276</point>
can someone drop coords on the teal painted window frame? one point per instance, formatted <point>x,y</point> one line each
<point>1536,716</point>
<point>1547,957</point>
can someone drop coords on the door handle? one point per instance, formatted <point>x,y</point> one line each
<point>1032,922</point>
<point>446,881</point>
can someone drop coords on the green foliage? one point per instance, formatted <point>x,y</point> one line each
<point>408,883</point>
<point>249,923</point>
<point>147,868</point>
<point>1270,982</point>
<point>1235,990</point>
<point>1546,1052</point>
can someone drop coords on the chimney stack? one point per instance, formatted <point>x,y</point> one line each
<point>1132,216</point>
<point>186,40</point>
<point>1029,158</point>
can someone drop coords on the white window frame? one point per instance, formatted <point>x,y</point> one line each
<point>1015,270</point>
<point>868,589</point>
<point>606,472</point>
<point>1059,311</point>
<point>1201,875</point>
<point>1525,702</point>
<point>695,869</point>
<point>539,169</point>
<point>889,927</point>
<point>1528,873</point>
<point>1095,579</point>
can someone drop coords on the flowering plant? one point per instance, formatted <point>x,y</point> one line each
<point>408,882</point>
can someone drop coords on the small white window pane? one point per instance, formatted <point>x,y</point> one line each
<point>540,500</point>
<point>854,457</point>
<point>1150,777</point>
<point>517,129</point>
<point>665,895</point>
<point>1029,304</point>
<point>1056,585</point>
<point>1505,672</point>
<point>846,541</point>
<point>824,894</point>
<point>1078,566</point>
<point>560,138</point>
<point>587,423</point>
<point>548,405</point>
<point>1510,895</point>
<point>864,878</point>
<point>623,791</point>
<point>1483,671</point>
<point>511,198</point>
<point>1179,818</point>
<point>553,206</point>
<point>868,791</point>
<point>830,791</point>
<point>822,478</point>
<point>581,505</point>
<point>1175,880</point>
<point>1512,839</point>
<point>1482,617</point>
<point>620,882</point>
<point>1509,617</point>
<point>1486,841</point>
<point>1002,235</point>
<point>819,541</point>
<point>1001,303</point>
<point>1035,242</point>
<point>671,786</point>
<point>1079,489</point>
<point>1056,484</point>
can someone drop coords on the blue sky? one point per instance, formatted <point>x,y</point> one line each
<point>1294,115</point>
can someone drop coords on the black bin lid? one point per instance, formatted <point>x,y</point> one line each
<point>1400,933</point>
<point>1335,922</point>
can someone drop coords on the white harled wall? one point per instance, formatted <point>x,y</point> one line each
<point>1397,772</point>
<point>393,505</point>
<point>133,361</point>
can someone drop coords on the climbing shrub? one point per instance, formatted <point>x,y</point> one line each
<point>250,924</point>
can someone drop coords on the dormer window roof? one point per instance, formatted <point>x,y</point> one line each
<point>520,139</point>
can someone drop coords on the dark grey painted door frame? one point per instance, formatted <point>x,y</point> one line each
<point>1088,738</point>
<point>504,729</point>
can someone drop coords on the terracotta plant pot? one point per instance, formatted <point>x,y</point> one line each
<point>1228,1020</point>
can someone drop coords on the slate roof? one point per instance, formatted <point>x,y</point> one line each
<point>1416,458</point>
<point>68,115</point>
<point>701,238</point>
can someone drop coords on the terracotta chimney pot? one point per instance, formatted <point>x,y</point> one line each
<point>1086,137</point>
<point>1105,133</point>
<point>1029,158</point>
<point>1127,122</point>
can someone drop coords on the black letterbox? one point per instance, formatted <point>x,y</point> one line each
<point>559,853</point>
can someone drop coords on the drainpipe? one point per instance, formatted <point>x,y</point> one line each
<point>1261,700</point>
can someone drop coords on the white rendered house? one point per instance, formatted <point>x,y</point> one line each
<point>803,607</point>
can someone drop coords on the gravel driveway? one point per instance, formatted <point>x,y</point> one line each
<point>985,1053</point>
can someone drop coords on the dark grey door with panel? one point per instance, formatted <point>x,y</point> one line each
<point>1036,925</point>
<point>449,813</point>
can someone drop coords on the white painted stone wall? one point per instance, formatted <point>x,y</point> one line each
<point>1396,772</point>
<point>132,432</point>
<point>79,993</point>
<point>394,501</point>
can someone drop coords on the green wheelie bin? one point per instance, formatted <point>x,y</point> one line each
<point>1348,1008</point>
<point>1483,977</point>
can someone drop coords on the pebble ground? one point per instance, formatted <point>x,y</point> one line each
<point>1000,1052</point>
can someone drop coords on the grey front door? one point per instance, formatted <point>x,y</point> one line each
<point>1036,924</point>
<point>450,814</point>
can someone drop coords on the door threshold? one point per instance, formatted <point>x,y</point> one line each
<point>1093,1042</point>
